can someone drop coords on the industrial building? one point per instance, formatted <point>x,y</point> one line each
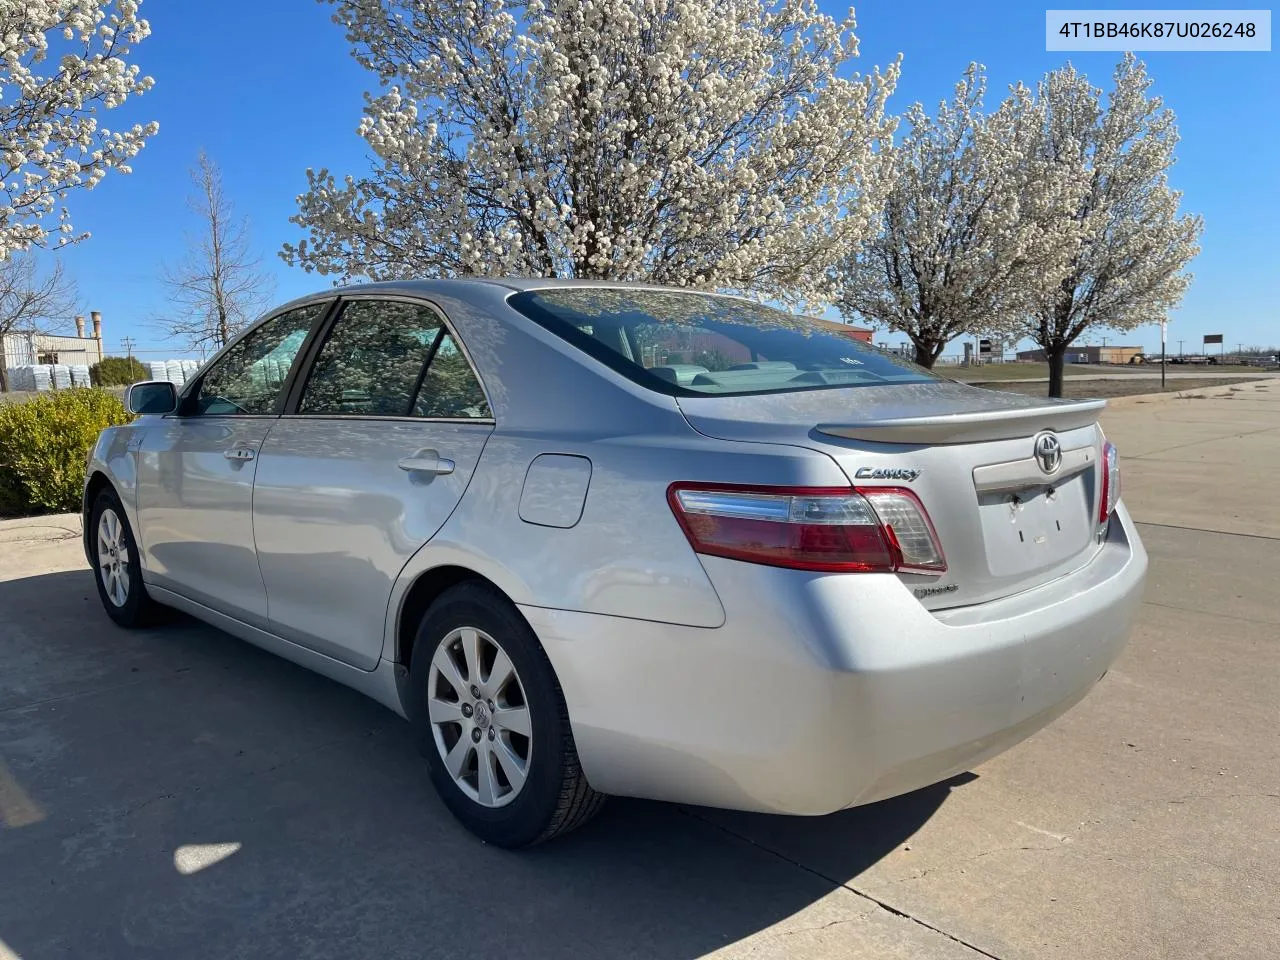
<point>1106,354</point>
<point>845,329</point>
<point>25,348</point>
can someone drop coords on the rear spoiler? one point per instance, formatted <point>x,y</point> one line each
<point>970,427</point>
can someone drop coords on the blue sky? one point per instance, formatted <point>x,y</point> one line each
<point>268,88</point>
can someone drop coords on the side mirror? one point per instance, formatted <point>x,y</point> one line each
<point>152,397</point>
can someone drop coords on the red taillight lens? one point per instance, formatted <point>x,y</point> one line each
<point>1109,496</point>
<point>827,529</point>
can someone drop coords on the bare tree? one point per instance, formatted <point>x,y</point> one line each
<point>31,301</point>
<point>218,288</point>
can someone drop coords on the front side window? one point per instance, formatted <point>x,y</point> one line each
<point>392,359</point>
<point>694,344</point>
<point>248,378</point>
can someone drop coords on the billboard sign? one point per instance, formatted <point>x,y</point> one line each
<point>1213,338</point>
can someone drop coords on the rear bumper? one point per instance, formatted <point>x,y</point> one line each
<point>822,692</point>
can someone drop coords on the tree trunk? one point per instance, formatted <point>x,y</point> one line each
<point>4,370</point>
<point>1057,357</point>
<point>927,353</point>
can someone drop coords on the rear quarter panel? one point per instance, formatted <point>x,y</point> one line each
<point>626,556</point>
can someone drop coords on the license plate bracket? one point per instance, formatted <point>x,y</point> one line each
<point>1034,528</point>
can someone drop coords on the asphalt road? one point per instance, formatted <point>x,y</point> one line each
<point>179,794</point>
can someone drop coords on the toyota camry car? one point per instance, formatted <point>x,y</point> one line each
<point>597,539</point>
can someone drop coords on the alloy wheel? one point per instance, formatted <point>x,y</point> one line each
<point>479,717</point>
<point>113,558</point>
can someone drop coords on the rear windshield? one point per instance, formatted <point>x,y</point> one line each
<point>688,344</point>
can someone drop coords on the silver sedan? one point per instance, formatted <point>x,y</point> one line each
<point>609,539</point>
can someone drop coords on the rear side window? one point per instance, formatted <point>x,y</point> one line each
<point>693,344</point>
<point>450,388</point>
<point>392,359</point>
<point>372,359</point>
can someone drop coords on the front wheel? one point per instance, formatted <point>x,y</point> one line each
<point>117,566</point>
<point>492,722</point>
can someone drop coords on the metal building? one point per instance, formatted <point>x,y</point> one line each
<point>24,348</point>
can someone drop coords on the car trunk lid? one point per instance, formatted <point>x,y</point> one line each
<point>1005,522</point>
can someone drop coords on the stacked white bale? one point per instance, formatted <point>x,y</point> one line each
<point>80,375</point>
<point>173,372</point>
<point>189,368</point>
<point>42,377</point>
<point>156,370</point>
<point>23,378</point>
<point>61,377</point>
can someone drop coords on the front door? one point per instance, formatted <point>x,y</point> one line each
<point>386,435</point>
<point>196,470</point>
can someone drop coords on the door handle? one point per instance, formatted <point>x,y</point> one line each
<point>426,461</point>
<point>240,453</point>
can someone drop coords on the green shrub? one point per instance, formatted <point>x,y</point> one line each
<point>117,372</point>
<point>44,444</point>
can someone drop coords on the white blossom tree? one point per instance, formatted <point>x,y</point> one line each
<point>675,141</point>
<point>960,246</point>
<point>1114,213</point>
<point>64,62</point>
<point>219,286</point>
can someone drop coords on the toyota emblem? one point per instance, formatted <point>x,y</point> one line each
<point>1048,452</point>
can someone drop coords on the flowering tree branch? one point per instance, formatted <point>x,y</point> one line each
<point>681,143</point>
<point>64,62</point>
<point>1114,213</point>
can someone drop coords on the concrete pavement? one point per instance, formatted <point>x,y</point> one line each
<point>1203,373</point>
<point>176,793</point>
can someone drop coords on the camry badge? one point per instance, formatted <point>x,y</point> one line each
<point>886,473</point>
<point>1048,452</point>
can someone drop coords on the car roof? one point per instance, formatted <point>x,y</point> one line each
<point>461,288</point>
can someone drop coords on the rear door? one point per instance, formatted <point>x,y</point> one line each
<point>196,470</point>
<point>375,450</point>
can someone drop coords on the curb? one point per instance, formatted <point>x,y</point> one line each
<point>49,526</point>
<point>1226,390</point>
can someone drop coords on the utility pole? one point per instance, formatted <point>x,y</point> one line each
<point>1179,348</point>
<point>1164,359</point>
<point>127,343</point>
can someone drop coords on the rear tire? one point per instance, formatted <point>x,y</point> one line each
<point>118,569</point>
<point>491,721</point>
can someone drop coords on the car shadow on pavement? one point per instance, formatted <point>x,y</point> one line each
<point>176,792</point>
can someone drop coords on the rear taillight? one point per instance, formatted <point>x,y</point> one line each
<point>829,529</point>
<point>1110,494</point>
